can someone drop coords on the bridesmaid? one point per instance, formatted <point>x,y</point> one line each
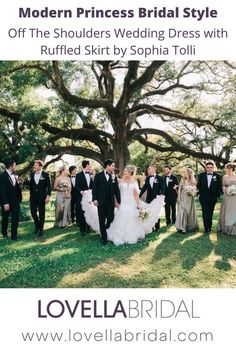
<point>187,214</point>
<point>227,219</point>
<point>63,187</point>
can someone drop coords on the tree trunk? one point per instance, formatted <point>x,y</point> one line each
<point>120,148</point>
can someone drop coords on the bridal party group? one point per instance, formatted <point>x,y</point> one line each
<point>121,208</point>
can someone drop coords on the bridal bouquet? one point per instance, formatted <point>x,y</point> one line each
<point>191,190</point>
<point>231,190</point>
<point>144,215</point>
<point>64,185</point>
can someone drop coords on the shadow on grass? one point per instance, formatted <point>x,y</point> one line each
<point>46,264</point>
<point>189,251</point>
<point>226,248</point>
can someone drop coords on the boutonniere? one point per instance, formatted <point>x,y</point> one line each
<point>42,178</point>
<point>170,180</point>
<point>156,181</point>
<point>214,178</point>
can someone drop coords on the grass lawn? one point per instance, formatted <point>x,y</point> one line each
<point>164,259</point>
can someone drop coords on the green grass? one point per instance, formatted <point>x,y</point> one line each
<point>165,259</point>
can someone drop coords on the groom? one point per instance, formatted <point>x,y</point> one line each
<point>154,185</point>
<point>209,190</point>
<point>105,190</point>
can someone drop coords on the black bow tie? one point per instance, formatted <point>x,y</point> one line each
<point>107,173</point>
<point>86,173</point>
<point>152,176</point>
<point>210,174</point>
<point>72,176</point>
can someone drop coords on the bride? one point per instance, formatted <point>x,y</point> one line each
<point>133,219</point>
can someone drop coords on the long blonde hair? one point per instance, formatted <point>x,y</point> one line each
<point>60,170</point>
<point>131,169</point>
<point>190,177</point>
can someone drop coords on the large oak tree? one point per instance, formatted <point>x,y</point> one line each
<point>98,109</point>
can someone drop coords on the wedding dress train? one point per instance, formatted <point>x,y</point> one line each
<point>127,226</point>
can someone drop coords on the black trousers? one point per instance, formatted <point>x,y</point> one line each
<point>208,206</point>
<point>73,211</point>
<point>170,210</point>
<point>106,216</point>
<point>157,226</point>
<point>80,219</point>
<point>15,214</point>
<point>37,208</point>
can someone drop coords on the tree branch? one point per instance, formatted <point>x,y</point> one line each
<point>177,146</point>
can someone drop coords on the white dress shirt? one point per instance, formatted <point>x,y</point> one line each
<point>37,177</point>
<point>107,175</point>
<point>73,181</point>
<point>209,179</point>
<point>151,181</point>
<point>87,176</point>
<point>167,180</point>
<point>12,177</point>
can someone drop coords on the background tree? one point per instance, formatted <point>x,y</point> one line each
<point>98,110</point>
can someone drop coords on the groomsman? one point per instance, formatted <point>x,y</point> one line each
<point>74,194</point>
<point>171,194</point>
<point>40,192</point>
<point>154,185</point>
<point>209,189</point>
<point>10,199</point>
<point>106,195</point>
<point>83,182</point>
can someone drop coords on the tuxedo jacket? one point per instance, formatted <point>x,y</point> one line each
<point>170,193</point>
<point>215,189</point>
<point>82,185</point>
<point>42,189</point>
<point>9,194</point>
<point>157,189</point>
<point>105,191</point>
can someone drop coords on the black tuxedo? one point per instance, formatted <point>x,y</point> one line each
<point>157,189</point>
<point>170,199</point>
<point>12,195</point>
<point>208,196</point>
<point>74,196</point>
<point>38,194</point>
<point>80,186</point>
<point>105,191</point>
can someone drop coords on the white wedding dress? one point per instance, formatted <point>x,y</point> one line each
<point>126,226</point>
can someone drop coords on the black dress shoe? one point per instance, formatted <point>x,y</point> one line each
<point>36,230</point>
<point>14,238</point>
<point>104,242</point>
<point>40,233</point>
<point>5,236</point>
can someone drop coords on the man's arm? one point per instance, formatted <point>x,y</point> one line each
<point>3,194</point>
<point>95,188</point>
<point>117,192</point>
<point>48,184</point>
<point>219,186</point>
<point>144,188</point>
<point>162,185</point>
